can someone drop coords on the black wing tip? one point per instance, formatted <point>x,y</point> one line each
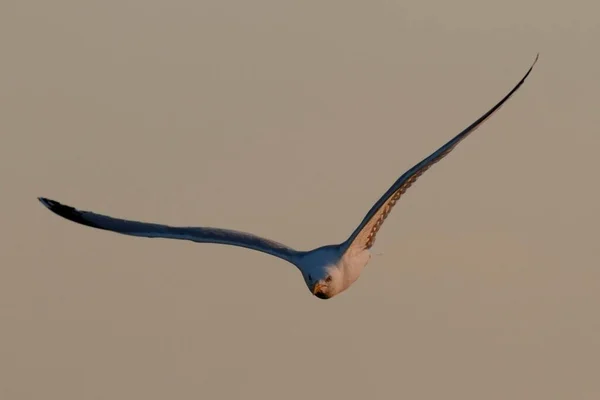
<point>64,211</point>
<point>50,204</point>
<point>537,56</point>
<point>57,208</point>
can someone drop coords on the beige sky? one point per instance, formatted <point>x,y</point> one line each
<point>289,119</point>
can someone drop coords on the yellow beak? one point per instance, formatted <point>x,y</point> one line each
<point>317,288</point>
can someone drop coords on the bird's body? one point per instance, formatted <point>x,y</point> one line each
<point>327,270</point>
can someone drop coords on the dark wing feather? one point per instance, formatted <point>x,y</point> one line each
<point>150,230</point>
<point>364,236</point>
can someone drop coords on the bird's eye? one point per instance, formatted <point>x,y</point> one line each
<point>328,279</point>
<point>309,277</point>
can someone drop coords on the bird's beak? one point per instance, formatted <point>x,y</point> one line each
<point>317,288</point>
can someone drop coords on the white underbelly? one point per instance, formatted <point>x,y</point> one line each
<point>352,266</point>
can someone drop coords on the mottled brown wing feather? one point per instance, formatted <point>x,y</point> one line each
<point>364,236</point>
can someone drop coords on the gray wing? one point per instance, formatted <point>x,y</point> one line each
<point>364,236</point>
<point>195,234</point>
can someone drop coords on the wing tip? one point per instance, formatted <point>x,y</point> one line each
<point>50,204</point>
<point>537,56</point>
<point>535,60</point>
<point>64,211</point>
<point>56,207</point>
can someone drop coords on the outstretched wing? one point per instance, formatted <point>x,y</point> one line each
<point>199,234</point>
<point>364,236</point>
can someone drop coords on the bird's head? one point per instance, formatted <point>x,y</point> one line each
<point>321,272</point>
<point>325,284</point>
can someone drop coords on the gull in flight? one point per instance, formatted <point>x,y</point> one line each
<point>327,270</point>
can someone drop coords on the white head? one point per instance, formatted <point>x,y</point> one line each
<point>325,282</point>
<point>321,273</point>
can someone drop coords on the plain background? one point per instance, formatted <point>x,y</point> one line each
<point>289,119</point>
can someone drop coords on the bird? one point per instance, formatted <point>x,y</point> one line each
<point>327,270</point>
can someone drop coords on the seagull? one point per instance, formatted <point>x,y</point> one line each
<point>327,270</point>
